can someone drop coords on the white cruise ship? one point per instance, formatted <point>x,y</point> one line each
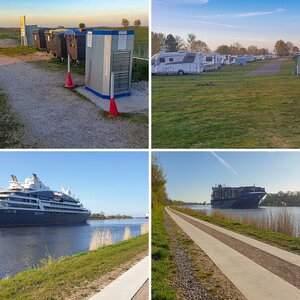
<point>32,203</point>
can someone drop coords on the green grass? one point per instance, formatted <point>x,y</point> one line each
<point>235,111</point>
<point>163,268</point>
<point>283,241</point>
<point>9,125</point>
<point>10,33</point>
<point>54,64</point>
<point>59,279</point>
<point>17,51</point>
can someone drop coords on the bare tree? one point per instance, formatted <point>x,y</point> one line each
<point>158,40</point>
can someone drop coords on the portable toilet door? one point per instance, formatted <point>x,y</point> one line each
<point>107,52</point>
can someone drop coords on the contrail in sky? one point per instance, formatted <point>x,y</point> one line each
<point>224,163</point>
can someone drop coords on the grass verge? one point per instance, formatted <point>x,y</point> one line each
<point>283,241</point>
<point>9,125</point>
<point>17,51</point>
<point>59,279</point>
<point>163,269</point>
<point>227,109</point>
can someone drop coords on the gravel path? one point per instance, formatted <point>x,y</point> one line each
<point>285,270</point>
<point>187,281</point>
<point>269,68</point>
<point>58,118</point>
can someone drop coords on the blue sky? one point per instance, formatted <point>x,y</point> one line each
<point>191,175</point>
<point>72,12</point>
<point>216,22</point>
<point>115,182</point>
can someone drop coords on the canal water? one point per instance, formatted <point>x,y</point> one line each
<point>257,213</point>
<point>22,248</point>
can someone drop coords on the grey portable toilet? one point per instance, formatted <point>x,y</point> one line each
<point>297,60</point>
<point>107,52</point>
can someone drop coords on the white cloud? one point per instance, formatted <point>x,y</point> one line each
<point>218,24</point>
<point>224,163</point>
<point>245,15</point>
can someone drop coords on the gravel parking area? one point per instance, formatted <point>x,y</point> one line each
<point>55,117</point>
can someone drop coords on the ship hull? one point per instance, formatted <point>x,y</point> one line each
<point>11,217</point>
<point>248,202</point>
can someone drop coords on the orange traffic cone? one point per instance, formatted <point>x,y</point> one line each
<point>69,82</point>
<point>113,110</point>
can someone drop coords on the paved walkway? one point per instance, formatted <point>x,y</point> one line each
<point>268,69</point>
<point>129,285</point>
<point>252,279</point>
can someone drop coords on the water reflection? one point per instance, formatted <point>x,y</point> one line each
<point>24,247</point>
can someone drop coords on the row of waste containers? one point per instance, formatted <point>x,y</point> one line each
<point>61,42</point>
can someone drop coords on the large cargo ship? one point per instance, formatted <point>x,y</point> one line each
<point>32,203</point>
<point>237,197</point>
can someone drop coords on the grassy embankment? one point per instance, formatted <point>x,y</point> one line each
<point>163,268</point>
<point>283,241</point>
<point>227,109</point>
<point>60,279</point>
<point>10,126</point>
<point>10,33</point>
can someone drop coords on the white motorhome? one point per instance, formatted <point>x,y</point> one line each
<point>229,60</point>
<point>240,61</point>
<point>212,61</point>
<point>177,63</point>
<point>249,58</point>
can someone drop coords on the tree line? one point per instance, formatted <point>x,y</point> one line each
<point>282,199</point>
<point>126,23</point>
<point>159,181</point>
<point>170,43</point>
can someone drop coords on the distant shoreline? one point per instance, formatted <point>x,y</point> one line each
<point>112,217</point>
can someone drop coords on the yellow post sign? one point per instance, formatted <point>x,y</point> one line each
<point>23,31</point>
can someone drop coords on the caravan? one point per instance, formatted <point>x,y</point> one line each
<point>170,63</point>
<point>212,61</point>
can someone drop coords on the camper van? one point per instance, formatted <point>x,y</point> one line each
<point>212,61</point>
<point>229,60</point>
<point>180,63</point>
<point>249,58</point>
<point>240,61</point>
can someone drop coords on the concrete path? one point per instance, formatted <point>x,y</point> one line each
<point>268,69</point>
<point>253,281</point>
<point>128,285</point>
<point>285,255</point>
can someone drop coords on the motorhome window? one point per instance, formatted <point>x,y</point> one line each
<point>209,58</point>
<point>162,60</point>
<point>190,58</point>
<point>171,59</point>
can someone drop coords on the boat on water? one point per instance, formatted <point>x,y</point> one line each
<point>237,197</point>
<point>32,203</point>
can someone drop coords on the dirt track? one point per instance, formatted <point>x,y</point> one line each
<point>269,68</point>
<point>54,117</point>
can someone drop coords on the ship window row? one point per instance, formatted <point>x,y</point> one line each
<point>61,213</point>
<point>61,204</point>
<point>22,200</point>
<point>61,208</point>
<point>24,206</point>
